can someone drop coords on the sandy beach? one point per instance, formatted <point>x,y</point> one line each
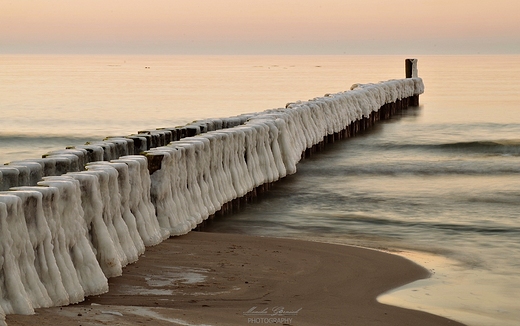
<point>207,278</point>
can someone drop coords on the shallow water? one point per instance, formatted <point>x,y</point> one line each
<point>441,179</point>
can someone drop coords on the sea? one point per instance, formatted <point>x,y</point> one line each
<point>439,184</point>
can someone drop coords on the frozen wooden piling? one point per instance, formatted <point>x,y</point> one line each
<point>412,72</point>
<point>166,182</point>
<point>385,112</point>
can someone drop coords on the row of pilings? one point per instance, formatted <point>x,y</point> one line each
<point>386,112</point>
<point>74,158</point>
<point>93,208</point>
<point>29,172</point>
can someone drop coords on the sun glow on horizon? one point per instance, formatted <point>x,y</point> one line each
<point>259,27</point>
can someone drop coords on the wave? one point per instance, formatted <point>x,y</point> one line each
<point>463,228</point>
<point>28,142</point>
<point>483,157</point>
<point>416,168</point>
<point>508,146</point>
<point>502,147</point>
<point>33,137</point>
<point>20,147</point>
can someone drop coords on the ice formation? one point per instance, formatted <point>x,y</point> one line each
<point>75,217</point>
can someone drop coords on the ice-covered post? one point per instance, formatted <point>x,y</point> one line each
<point>412,72</point>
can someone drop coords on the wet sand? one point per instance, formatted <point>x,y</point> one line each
<point>229,279</point>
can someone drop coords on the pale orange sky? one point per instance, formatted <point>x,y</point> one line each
<point>260,26</point>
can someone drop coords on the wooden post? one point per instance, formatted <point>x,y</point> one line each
<point>154,161</point>
<point>411,72</point>
<point>411,68</point>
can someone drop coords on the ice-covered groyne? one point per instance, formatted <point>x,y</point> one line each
<point>76,217</point>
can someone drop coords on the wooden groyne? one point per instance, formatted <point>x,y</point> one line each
<point>77,216</point>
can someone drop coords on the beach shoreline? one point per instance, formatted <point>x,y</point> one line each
<point>206,278</point>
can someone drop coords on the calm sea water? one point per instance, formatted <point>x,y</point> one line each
<point>444,178</point>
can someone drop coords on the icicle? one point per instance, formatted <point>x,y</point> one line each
<point>90,274</point>
<point>95,213</point>
<point>139,200</point>
<point>23,250</point>
<point>207,174</point>
<point>201,159</point>
<point>119,178</point>
<point>124,191</point>
<point>50,205</point>
<point>215,170</point>
<point>161,190</point>
<point>189,196</point>
<point>13,297</point>
<point>111,209</point>
<point>225,147</point>
<point>251,160</point>
<point>196,196</point>
<point>221,160</point>
<point>41,240</point>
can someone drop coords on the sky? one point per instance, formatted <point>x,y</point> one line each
<point>260,26</point>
